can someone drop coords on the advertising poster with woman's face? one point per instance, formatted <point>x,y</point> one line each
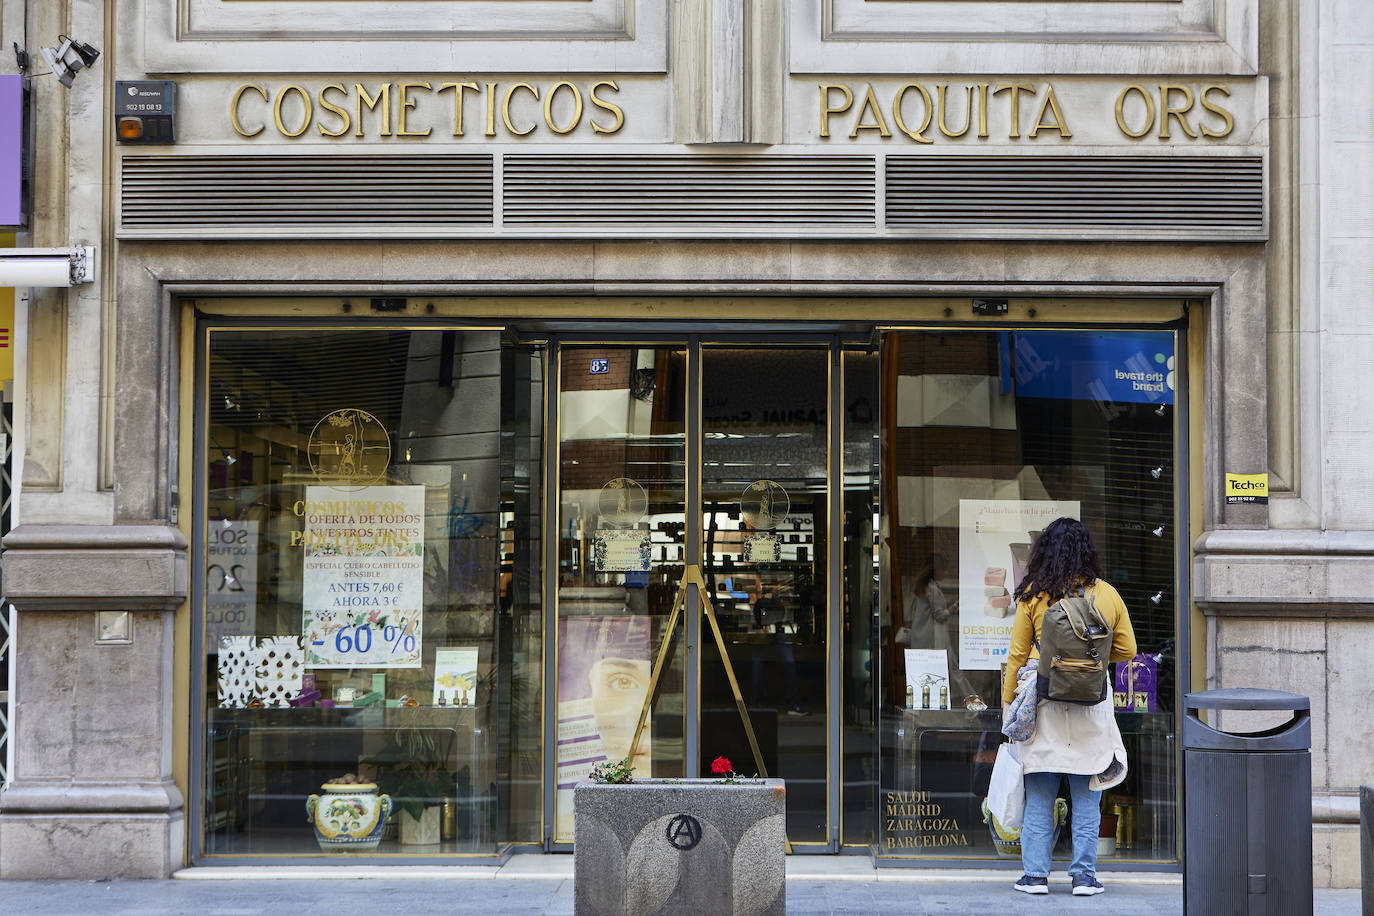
<point>603,676</point>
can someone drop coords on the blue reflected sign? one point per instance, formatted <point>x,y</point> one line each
<point>1102,366</point>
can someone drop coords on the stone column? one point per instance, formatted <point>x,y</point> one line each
<point>1367,850</point>
<point>91,795</point>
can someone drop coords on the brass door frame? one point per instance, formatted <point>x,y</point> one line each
<point>694,545</point>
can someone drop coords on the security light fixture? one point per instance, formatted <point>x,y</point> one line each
<point>69,57</point>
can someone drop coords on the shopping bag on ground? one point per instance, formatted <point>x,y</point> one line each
<point>1006,789</point>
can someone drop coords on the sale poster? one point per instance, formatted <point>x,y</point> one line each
<point>603,677</point>
<point>363,584</point>
<point>231,579</point>
<point>995,538</point>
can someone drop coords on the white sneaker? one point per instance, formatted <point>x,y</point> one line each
<point>1086,886</point>
<point>1029,885</point>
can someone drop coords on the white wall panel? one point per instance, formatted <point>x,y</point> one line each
<point>424,36</point>
<point>1031,36</point>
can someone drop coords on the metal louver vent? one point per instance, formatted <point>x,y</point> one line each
<point>636,190</point>
<point>1098,193</point>
<point>251,192</point>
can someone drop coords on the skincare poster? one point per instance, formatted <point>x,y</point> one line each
<point>455,676</point>
<point>995,537</point>
<point>603,675</point>
<point>927,670</point>
<point>364,576</point>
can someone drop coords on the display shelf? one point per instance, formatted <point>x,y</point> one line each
<point>281,756</point>
<point>945,756</point>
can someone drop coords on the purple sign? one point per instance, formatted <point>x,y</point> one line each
<point>11,144</point>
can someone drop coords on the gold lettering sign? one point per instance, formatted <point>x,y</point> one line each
<point>1172,111</point>
<point>376,110</point>
<point>911,820</point>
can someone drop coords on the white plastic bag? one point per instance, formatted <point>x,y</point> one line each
<point>1007,790</point>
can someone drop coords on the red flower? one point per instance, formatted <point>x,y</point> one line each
<point>721,767</point>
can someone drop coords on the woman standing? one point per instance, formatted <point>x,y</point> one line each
<point>1073,743</point>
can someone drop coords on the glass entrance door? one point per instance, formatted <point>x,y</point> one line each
<point>682,464</point>
<point>764,513</point>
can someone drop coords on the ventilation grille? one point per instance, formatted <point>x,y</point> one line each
<point>776,190</point>
<point>1076,193</point>
<point>186,192</point>
<point>674,194</point>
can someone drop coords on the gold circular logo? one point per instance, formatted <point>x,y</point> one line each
<point>349,448</point>
<point>763,504</point>
<point>623,502</point>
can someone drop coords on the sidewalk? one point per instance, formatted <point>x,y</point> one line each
<point>543,885</point>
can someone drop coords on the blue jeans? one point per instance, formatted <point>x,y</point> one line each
<point>1037,829</point>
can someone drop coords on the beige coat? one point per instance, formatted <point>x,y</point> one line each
<point>1069,738</point>
<point>1081,740</point>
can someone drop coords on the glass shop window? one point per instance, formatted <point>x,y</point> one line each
<point>988,436</point>
<point>371,629</point>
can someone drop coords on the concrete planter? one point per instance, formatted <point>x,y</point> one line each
<point>681,846</point>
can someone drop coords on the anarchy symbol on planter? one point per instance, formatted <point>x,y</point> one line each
<point>684,831</point>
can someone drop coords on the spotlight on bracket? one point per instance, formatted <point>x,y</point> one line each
<point>69,57</point>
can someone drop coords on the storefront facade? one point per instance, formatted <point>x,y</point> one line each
<point>463,381</point>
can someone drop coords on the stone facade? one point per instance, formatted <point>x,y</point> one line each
<point>1281,593</point>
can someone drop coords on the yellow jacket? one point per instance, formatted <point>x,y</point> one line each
<point>1027,624</point>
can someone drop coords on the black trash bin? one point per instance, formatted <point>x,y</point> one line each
<point>1247,809</point>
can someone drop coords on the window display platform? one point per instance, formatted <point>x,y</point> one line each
<point>269,761</point>
<point>937,778</point>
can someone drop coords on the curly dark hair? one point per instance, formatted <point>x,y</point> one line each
<point>1062,560</point>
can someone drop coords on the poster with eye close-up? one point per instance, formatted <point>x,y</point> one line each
<point>603,676</point>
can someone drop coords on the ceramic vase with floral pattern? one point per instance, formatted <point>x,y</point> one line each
<point>348,817</point>
<point>1007,840</point>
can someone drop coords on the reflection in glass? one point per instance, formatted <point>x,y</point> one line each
<point>360,541</point>
<point>986,437</point>
<point>764,498</point>
<point>622,454</point>
<point>860,559</point>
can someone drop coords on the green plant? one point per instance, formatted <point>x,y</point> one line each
<point>617,773</point>
<point>410,771</point>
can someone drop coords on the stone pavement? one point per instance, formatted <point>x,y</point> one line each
<point>543,885</point>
